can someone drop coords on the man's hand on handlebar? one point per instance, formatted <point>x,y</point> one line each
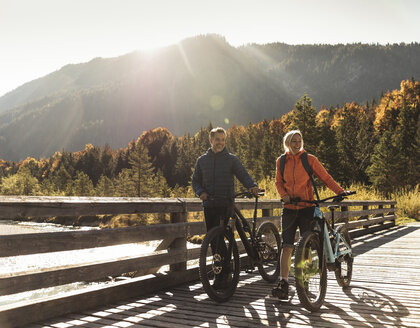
<point>256,191</point>
<point>204,196</point>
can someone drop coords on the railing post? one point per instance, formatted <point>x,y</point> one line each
<point>365,217</point>
<point>179,243</point>
<point>395,215</point>
<point>345,209</point>
<point>380,207</point>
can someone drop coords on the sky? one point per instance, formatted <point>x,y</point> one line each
<point>38,37</point>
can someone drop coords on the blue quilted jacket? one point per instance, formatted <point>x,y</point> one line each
<point>214,174</point>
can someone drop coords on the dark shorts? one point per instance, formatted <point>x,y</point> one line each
<point>291,219</point>
<point>213,215</point>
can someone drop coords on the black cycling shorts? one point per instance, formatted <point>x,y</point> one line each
<point>291,219</point>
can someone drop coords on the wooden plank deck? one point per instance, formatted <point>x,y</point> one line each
<point>385,292</point>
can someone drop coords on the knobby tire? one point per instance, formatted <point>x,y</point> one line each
<point>344,265</point>
<point>269,248</point>
<point>209,273</point>
<point>311,280</point>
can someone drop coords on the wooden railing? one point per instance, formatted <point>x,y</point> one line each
<point>172,250</point>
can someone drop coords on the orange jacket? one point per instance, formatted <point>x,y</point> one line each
<point>297,182</point>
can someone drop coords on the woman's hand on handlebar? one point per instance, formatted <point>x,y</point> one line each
<point>343,194</point>
<point>286,199</point>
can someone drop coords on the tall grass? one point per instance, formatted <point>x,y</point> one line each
<point>408,203</point>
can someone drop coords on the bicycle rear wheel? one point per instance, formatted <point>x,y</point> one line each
<point>344,264</point>
<point>310,276</point>
<point>268,247</point>
<point>219,264</point>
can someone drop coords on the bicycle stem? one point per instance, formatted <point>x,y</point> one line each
<point>254,224</point>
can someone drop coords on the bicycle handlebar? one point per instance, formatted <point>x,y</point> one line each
<point>336,198</point>
<point>248,194</point>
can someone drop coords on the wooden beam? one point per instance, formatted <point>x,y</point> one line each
<point>93,271</point>
<point>13,245</point>
<point>30,206</point>
<point>369,222</point>
<point>352,214</point>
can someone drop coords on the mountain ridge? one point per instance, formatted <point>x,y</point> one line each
<point>182,87</point>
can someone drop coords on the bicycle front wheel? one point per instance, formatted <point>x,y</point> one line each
<point>268,247</point>
<point>219,264</point>
<point>344,264</point>
<point>310,272</point>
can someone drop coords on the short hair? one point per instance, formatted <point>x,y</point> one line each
<point>217,130</point>
<point>288,139</point>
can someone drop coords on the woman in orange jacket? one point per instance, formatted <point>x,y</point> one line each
<point>295,182</point>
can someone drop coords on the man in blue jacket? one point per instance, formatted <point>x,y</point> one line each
<point>213,179</point>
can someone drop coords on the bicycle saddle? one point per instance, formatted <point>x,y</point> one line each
<point>333,207</point>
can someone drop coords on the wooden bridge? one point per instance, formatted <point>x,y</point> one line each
<point>385,289</point>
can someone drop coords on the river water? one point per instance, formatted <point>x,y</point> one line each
<point>15,264</point>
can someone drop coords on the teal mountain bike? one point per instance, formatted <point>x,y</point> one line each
<point>325,247</point>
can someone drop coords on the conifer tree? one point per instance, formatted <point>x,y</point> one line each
<point>327,151</point>
<point>161,187</point>
<point>124,184</point>
<point>406,139</point>
<point>386,163</point>
<point>141,170</point>
<point>185,161</point>
<point>90,163</point>
<point>105,187</point>
<point>61,179</point>
<point>355,141</point>
<point>82,185</point>
<point>170,155</point>
<point>107,162</point>
<point>268,158</point>
<point>304,119</point>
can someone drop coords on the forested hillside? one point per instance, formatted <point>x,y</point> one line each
<point>184,87</point>
<point>375,144</point>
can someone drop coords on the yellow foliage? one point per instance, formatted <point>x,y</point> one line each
<point>392,102</point>
<point>323,117</point>
<point>277,127</point>
<point>352,109</point>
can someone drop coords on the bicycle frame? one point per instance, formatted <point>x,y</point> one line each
<point>331,254</point>
<point>242,226</point>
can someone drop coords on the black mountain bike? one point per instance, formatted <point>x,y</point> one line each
<point>219,256</point>
<point>325,247</point>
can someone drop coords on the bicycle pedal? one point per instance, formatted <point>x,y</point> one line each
<point>249,269</point>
